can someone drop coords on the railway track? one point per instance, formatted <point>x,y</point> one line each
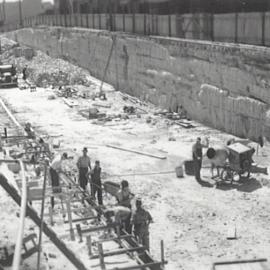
<point>79,216</point>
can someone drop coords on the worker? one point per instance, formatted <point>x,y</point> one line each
<point>96,182</point>
<point>30,131</point>
<point>118,214</point>
<point>45,147</point>
<point>197,157</point>
<point>24,72</point>
<point>83,164</point>
<point>55,169</point>
<point>141,220</point>
<point>124,197</point>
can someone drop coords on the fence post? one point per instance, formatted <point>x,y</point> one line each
<point>144,23</point>
<point>133,18</point>
<point>212,20</point>
<point>124,21</point>
<point>170,25</point>
<point>236,28</point>
<point>99,20</point>
<point>87,20</point>
<point>65,20</point>
<point>263,28</point>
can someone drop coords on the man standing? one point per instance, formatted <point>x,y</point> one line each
<point>141,220</point>
<point>83,164</point>
<point>55,169</point>
<point>24,72</point>
<point>197,157</point>
<point>96,182</point>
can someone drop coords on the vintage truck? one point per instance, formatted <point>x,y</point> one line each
<point>8,76</point>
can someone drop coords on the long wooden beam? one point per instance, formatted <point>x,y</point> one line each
<point>81,219</point>
<point>98,228</point>
<point>49,233</point>
<point>114,238</point>
<point>118,252</point>
<point>141,266</point>
<point>135,151</point>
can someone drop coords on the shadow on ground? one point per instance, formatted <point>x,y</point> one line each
<point>244,185</point>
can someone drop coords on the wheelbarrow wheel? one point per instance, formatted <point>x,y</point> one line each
<point>225,174</point>
<point>229,175</point>
<point>246,169</point>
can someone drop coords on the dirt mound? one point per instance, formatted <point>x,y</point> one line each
<point>41,68</point>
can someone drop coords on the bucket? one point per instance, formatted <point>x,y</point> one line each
<point>189,167</point>
<point>179,171</point>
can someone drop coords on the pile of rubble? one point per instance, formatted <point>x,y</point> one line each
<point>43,70</point>
<point>7,47</point>
<point>46,71</point>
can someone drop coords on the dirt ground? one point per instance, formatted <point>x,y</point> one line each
<point>193,219</point>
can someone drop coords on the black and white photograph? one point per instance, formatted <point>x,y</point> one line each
<point>134,134</point>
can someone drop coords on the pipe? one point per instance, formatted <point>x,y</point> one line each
<point>18,248</point>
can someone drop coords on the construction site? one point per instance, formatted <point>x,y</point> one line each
<point>179,125</point>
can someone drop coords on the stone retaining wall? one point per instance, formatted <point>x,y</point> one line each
<point>223,85</point>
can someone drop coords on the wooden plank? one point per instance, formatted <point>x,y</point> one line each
<point>42,216</point>
<point>114,238</point>
<point>99,228</point>
<point>81,219</point>
<point>119,252</point>
<point>72,235</point>
<point>101,105</point>
<point>79,232</point>
<point>50,233</point>
<point>135,151</point>
<point>101,257</point>
<point>51,215</point>
<point>89,244</point>
<point>162,251</point>
<point>70,103</point>
<point>141,266</point>
<point>239,262</point>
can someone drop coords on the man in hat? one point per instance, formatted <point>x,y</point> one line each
<point>141,220</point>
<point>55,169</point>
<point>83,164</point>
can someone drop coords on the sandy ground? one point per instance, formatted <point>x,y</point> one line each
<point>191,218</point>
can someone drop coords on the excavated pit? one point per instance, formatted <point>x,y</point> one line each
<point>222,85</point>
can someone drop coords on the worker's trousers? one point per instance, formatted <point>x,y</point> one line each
<point>197,168</point>
<point>83,180</point>
<point>96,189</point>
<point>144,239</point>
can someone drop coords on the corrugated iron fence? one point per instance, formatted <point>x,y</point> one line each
<point>249,28</point>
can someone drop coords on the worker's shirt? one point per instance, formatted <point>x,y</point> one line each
<point>84,162</point>
<point>141,219</point>
<point>124,198</point>
<point>57,163</point>
<point>121,213</point>
<point>197,151</point>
